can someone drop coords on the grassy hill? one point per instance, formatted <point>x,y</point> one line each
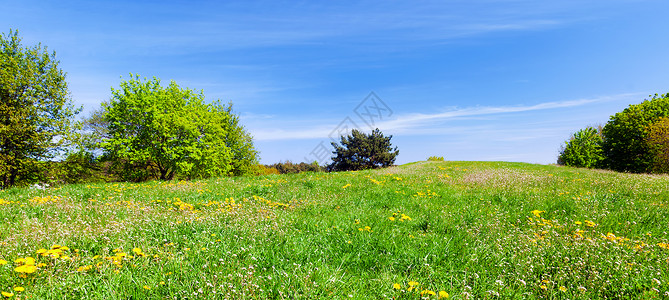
<point>469,230</point>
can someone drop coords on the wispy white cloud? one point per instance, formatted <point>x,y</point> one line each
<point>421,123</point>
<point>417,120</point>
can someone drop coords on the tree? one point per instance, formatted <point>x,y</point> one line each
<point>583,149</point>
<point>36,112</point>
<point>244,155</point>
<point>160,132</point>
<point>625,135</point>
<point>658,143</point>
<point>360,151</point>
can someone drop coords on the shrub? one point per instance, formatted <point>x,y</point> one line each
<point>265,170</point>
<point>435,158</point>
<point>289,167</point>
<point>360,151</point>
<point>625,135</point>
<point>583,149</point>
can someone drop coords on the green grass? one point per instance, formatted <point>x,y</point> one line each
<point>475,230</point>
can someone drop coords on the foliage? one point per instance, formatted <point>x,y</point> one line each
<point>159,132</point>
<point>78,167</point>
<point>474,230</point>
<point>265,170</point>
<point>360,151</point>
<point>435,158</point>
<point>289,167</point>
<point>626,133</point>
<point>239,141</point>
<point>583,149</point>
<point>36,112</point>
<point>658,143</point>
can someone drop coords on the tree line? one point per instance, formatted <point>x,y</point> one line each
<point>144,131</point>
<point>633,140</point>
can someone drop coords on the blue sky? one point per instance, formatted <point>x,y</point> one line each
<point>465,79</point>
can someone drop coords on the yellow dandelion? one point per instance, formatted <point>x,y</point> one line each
<point>19,289</point>
<point>27,269</point>
<point>543,287</point>
<point>146,287</point>
<point>443,295</point>
<point>84,268</point>
<point>391,218</point>
<point>562,288</point>
<point>537,213</point>
<point>397,286</point>
<point>3,262</point>
<point>578,222</point>
<point>7,294</point>
<point>428,292</point>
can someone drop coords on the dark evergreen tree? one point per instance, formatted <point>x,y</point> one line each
<point>360,151</point>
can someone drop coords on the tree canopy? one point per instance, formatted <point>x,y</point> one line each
<point>36,112</point>
<point>583,149</point>
<point>159,132</point>
<point>360,151</point>
<point>626,133</point>
<point>658,143</point>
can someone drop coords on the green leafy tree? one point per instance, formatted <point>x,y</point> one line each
<point>36,112</point>
<point>240,142</point>
<point>658,143</point>
<point>626,133</point>
<point>160,132</point>
<point>360,151</point>
<point>583,149</point>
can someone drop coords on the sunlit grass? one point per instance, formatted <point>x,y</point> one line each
<point>462,230</point>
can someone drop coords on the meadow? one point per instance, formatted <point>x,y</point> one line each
<point>456,230</point>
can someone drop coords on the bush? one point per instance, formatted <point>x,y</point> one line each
<point>583,149</point>
<point>435,158</point>
<point>360,151</point>
<point>626,134</point>
<point>289,168</point>
<point>78,167</point>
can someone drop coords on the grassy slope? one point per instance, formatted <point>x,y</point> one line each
<point>471,229</point>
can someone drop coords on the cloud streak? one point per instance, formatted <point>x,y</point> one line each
<point>415,124</point>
